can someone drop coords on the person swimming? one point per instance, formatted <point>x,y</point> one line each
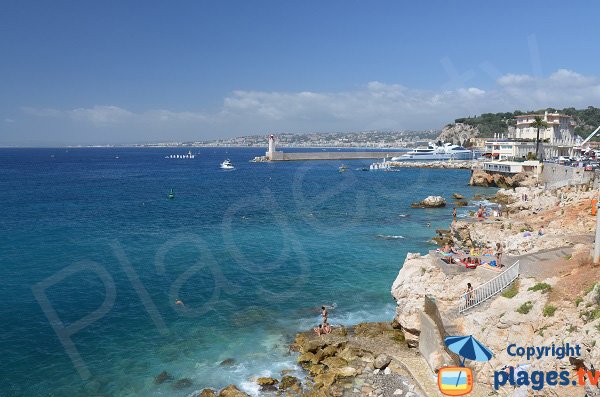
<point>179,302</point>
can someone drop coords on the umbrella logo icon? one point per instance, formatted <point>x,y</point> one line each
<point>458,381</point>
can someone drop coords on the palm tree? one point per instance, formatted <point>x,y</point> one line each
<point>538,123</point>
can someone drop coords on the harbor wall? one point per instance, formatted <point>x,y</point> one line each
<point>557,176</point>
<point>282,156</point>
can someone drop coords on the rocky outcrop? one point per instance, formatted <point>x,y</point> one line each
<point>458,133</point>
<point>430,202</point>
<point>505,181</point>
<point>232,391</point>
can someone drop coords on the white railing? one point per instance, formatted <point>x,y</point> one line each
<point>488,289</point>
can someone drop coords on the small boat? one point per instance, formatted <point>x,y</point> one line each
<point>226,165</point>
<point>189,155</point>
<point>343,168</point>
<point>171,195</point>
<point>383,165</point>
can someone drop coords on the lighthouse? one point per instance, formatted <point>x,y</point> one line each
<point>271,146</point>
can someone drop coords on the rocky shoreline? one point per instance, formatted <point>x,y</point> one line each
<point>556,296</point>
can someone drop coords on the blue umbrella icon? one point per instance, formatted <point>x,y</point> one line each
<point>468,347</point>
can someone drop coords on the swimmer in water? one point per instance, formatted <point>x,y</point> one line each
<point>428,224</point>
<point>179,302</point>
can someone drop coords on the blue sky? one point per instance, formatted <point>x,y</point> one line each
<point>79,72</point>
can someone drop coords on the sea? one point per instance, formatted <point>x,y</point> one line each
<point>107,283</point>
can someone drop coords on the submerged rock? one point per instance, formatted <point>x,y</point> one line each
<point>458,196</point>
<point>228,362</point>
<point>182,383</point>
<point>163,377</point>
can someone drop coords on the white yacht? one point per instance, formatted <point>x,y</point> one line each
<point>226,165</point>
<point>445,151</point>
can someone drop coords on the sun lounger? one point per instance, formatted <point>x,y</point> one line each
<point>492,268</point>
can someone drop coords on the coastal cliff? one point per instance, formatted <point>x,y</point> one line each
<point>555,300</point>
<point>458,133</point>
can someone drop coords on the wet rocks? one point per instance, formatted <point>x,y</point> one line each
<point>232,391</point>
<point>228,362</point>
<point>289,382</point>
<point>430,202</point>
<point>207,393</point>
<point>267,383</point>
<point>458,196</point>
<point>163,377</point>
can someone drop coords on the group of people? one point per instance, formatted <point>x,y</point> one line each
<point>324,327</point>
<point>473,260</point>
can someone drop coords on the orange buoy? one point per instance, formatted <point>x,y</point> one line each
<point>594,207</point>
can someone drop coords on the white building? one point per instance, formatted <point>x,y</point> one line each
<point>506,150</point>
<point>560,130</point>
<point>512,167</point>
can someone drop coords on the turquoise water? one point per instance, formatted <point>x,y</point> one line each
<point>93,241</point>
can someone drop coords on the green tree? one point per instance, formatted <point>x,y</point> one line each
<point>538,123</point>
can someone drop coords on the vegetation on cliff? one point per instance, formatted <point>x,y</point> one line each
<point>488,124</point>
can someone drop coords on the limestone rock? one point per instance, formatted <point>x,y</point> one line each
<point>207,393</point>
<point>335,362</point>
<point>458,196</point>
<point>430,202</point>
<point>381,361</point>
<point>232,391</point>
<point>289,382</point>
<point>265,382</point>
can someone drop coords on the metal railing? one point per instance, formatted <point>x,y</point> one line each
<point>488,289</point>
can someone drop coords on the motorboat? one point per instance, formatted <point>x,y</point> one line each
<point>343,168</point>
<point>226,165</point>
<point>171,195</point>
<point>437,151</point>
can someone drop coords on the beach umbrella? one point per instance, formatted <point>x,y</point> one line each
<point>468,347</point>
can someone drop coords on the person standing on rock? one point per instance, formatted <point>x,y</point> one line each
<point>499,252</point>
<point>324,314</point>
<point>454,214</point>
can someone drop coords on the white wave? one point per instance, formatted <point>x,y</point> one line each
<point>390,237</point>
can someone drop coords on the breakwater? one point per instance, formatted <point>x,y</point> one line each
<point>338,155</point>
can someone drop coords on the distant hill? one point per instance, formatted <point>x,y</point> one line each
<point>489,124</point>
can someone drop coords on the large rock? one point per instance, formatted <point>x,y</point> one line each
<point>335,362</point>
<point>290,382</point>
<point>232,391</point>
<point>207,393</point>
<point>430,202</point>
<point>266,382</point>
<point>505,181</point>
<point>381,361</point>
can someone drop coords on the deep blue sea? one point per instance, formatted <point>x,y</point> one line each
<point>93,257</point>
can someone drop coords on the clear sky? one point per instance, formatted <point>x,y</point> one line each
<point>83,72</point>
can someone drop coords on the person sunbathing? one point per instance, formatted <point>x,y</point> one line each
<point>319,330</point>
<point>327,328</point>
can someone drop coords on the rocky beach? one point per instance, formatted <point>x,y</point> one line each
<point>555,298</point>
